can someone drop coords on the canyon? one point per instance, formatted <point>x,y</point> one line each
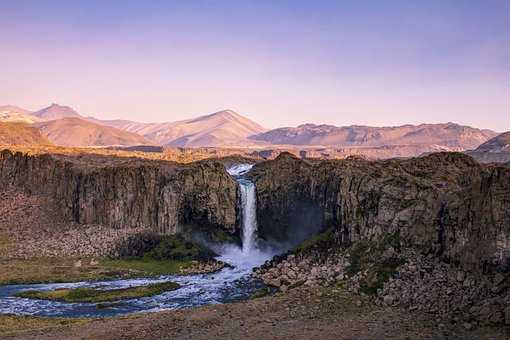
<point>117,192</point>
<point>333,222</point>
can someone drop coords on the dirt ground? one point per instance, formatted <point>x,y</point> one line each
<point>298,314</point>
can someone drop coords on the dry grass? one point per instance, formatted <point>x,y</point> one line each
<point>10,324</point>
<point>54,269</point>
<point>65,269</point>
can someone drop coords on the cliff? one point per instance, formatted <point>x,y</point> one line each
<point>445,203</point>
<point>121,192</point>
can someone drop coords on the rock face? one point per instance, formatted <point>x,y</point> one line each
<point>446,204</point>
<point>118,192</point>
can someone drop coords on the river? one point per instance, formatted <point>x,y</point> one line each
<point>228,285</point>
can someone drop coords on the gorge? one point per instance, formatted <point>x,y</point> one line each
<point>229,284</point>
<point>444,206</point>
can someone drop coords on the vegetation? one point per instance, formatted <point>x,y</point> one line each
<point>261,292</point>
<point>4,243</point>
<point>94,295</point>
<point>64,269</point>
<point>220,236</point>
<point>13,324</point>
<point>175,247</point>
<point>370,256</point>
<point>319,241</point>
<point>168,256</point>
<point>147,266</point>
<point>54,269</point>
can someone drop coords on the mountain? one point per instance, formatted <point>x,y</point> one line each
<point>80,132</point>
<point>495,150</point>
<point>447,135</point>
<point>500,143</point>
<point>21,134</point>
<point>55,111</point>
<point>223,128</point>
<point>11,113</point>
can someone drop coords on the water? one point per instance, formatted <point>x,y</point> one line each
<point>227,285</point>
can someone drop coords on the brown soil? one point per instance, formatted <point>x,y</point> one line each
<point>298,314</point>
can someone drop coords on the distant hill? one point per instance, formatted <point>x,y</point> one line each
<point>229,129</point>
<point>496,150</point>
<point>21,134</point>
<point>447,135</point>
<point>11,113</point>
<point>79,132</point>
<point>223,128</point>
<point>55,111</point>
<point>500,143</point>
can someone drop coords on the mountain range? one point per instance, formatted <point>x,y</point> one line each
<point>62,125</point>
<point>223,128</point>
<point>495,150</point>
<point>449,135</point>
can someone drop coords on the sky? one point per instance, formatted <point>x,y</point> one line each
<point>280,63</point>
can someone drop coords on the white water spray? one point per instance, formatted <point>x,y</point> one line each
<point>248,205</point>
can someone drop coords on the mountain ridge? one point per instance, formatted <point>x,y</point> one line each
<point>72,131</point>
<point>227,128</point>
<point>56,111</point>
<point>445,134</point>
<point>18,133</point>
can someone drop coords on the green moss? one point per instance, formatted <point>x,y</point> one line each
<point>220,236</point>
<point>358,256</point>
<point>320,241</point>
<point>261,293</point>
<point>147,265</point>
<point>175,247</point>
<point>379,274</point>
<point>368,255</point>
<point>93,295</point>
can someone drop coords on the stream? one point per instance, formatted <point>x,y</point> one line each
<point>228,285</point>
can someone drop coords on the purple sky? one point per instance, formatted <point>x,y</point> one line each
<point>280,63</point>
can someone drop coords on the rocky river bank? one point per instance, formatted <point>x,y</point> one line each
<point>404,279</point>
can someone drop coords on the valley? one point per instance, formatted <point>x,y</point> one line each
<point>354,237</point>
<point>255,170</point>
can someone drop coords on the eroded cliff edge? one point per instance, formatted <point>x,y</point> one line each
<point>445,204</point>
<point>120,192</point>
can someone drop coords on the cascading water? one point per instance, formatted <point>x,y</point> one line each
<point>249,208</point>
<point>230,284</point>
<point>248,205</point>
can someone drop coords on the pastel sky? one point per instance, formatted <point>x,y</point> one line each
<point>281,63</point>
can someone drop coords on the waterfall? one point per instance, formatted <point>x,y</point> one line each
<point>248,206</point>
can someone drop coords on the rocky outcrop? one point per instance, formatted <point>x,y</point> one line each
<point>118,192</point>
<point>444,204</point>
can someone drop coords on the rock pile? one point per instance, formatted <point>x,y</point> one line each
<point>420,283</point>
<point>429,285</point>
<point>295,270</point>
